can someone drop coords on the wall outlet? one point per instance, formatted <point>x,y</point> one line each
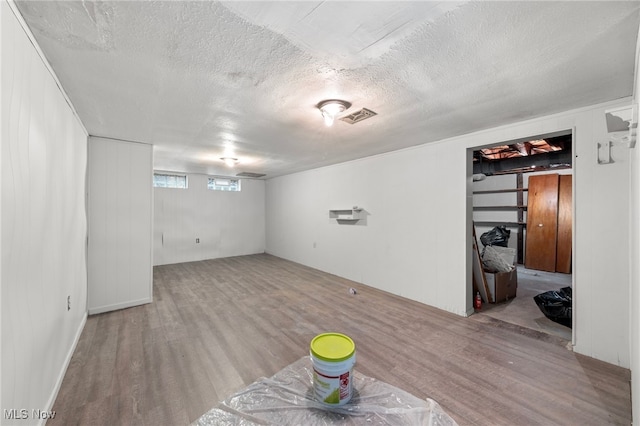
<point>68,303</point>
<point>197,240</point>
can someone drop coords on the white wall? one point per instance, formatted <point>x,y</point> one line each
<point>43,227</point>
<point>119,209</point>
<point>634,261</point>
<point>226,223</point>
<point>416,239</point>
<point>411,243</point>
<point>634,294</point>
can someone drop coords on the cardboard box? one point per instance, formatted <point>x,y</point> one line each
<point>502,285</point>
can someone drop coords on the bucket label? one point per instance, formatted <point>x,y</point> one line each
<point>344,385</point>
<point>332,389</point>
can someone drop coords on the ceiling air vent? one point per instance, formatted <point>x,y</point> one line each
<point>357,116</point>
<point>250,175</point>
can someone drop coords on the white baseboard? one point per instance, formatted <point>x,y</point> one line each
<point>63,371</point>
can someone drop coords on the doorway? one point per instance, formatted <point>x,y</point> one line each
<point>499,199</point>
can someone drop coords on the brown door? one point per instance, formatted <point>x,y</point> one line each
<point>542,223</point>
<point>563,247</point>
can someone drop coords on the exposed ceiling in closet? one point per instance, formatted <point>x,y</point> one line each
<point>550,153</point>
<point>203,80</point>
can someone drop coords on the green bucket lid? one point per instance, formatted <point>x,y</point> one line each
<point>332,347</point>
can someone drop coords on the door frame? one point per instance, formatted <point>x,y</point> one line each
<point>469,215</point>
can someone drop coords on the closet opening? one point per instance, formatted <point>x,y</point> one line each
<point>521,206</point>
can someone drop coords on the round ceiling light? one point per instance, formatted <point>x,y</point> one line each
<point>331,108</point>
<point>229,161</point>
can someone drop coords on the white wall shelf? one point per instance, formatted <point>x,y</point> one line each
<point>346,215</point>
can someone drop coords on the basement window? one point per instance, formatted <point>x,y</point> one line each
<point>163,180</point>
<point>224,184</point>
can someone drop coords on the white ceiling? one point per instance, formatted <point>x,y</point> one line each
<point>201,79</point>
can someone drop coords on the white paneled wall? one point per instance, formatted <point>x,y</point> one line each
<point>43,152</point>
<point>416,240</point>
<point>634,256</point>
<point>634,299</point>
<point>410,243</point>
<point>225,223</point>
<point>120,224</point>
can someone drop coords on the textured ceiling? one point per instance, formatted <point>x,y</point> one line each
<point>202,80</point>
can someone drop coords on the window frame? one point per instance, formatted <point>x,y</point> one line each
<point>176,176</point>
<point>235,187</point>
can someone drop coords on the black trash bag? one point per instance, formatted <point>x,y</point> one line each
<point>556,305</point>
<point>498,236</point>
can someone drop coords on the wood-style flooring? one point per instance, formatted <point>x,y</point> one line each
<point>216,326</point>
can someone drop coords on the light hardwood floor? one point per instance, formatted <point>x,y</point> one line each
<point>216,326</point>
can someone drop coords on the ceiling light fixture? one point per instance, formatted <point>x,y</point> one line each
<point>331,108</point>
<point>229,161</point>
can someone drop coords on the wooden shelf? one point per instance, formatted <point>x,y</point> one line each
<point>500,191</point>
<point>498,223</point>
<point>519,209</point>
<point>499,207</point>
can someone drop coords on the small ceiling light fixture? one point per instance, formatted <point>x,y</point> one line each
<point>229,161</point>
<point>331,108</point>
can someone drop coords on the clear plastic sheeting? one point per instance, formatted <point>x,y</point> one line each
<point>287,399</point>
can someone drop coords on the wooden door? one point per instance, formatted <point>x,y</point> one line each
<point>542,223</point>
<point>565,220</point>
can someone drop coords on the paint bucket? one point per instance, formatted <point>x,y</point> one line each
<point>333,356</point>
